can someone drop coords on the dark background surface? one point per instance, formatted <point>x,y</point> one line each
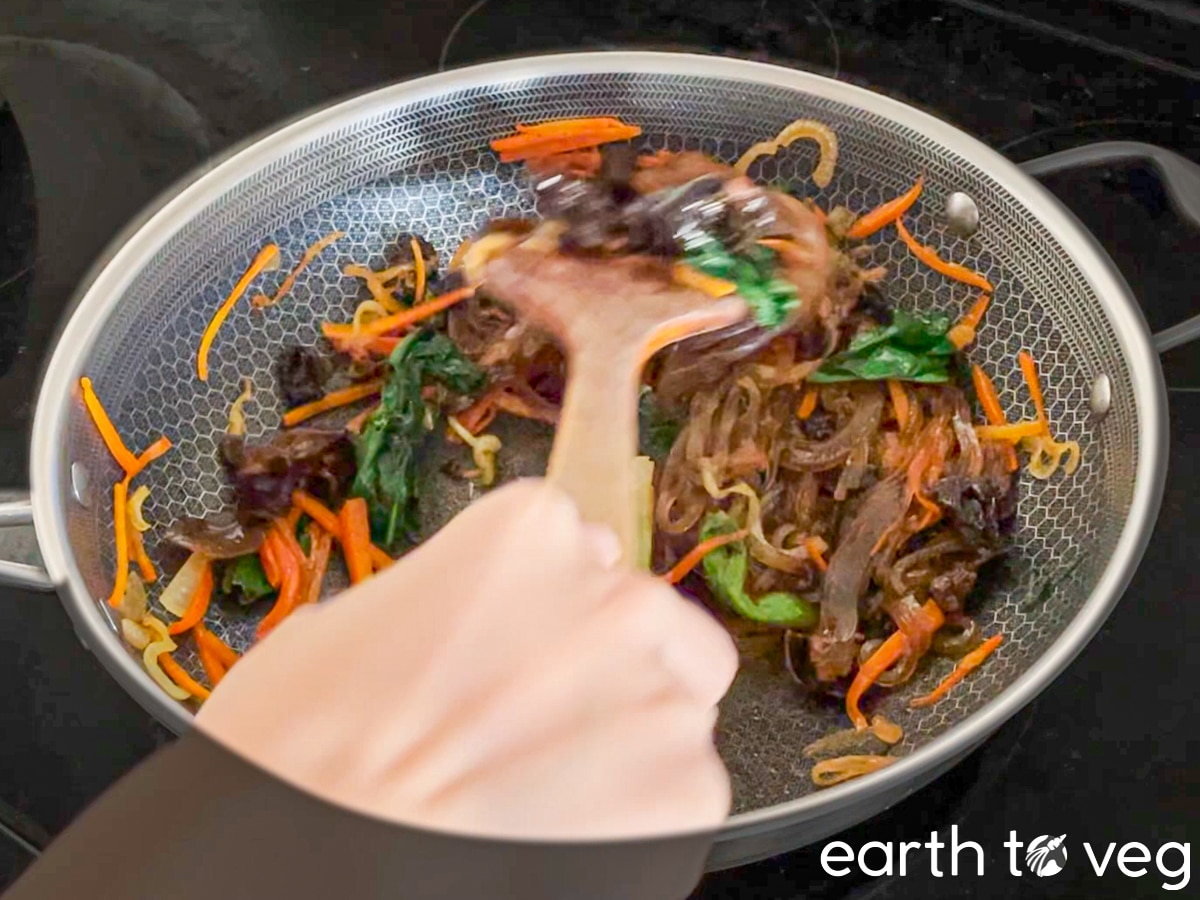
<point>110,101</point>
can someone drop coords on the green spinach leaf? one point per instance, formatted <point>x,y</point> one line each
<point>386,448</point>
<point>244,578</point>
<point>912,348</point>
<point>725,570</point>
<point>755,272</point>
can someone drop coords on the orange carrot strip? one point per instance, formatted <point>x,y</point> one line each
<point>965,667</point>
<point>213,667</point>
<point>310,254</point>
<point>120,524</point>
<point>355,425</point>
<point>929,256</point>
<point>886,213</point>
<point>266,256</point>
<point>1029,370</point>
<point>379,559</point>
<point>963,333</point>
<point>1011,433</point>
<point>693,557</point>
<point>356,538</point>
<point>290,562</point>
<point>125,459</point>
<point>137,550</point>
<point>418,270</point>
<point>989,399</point>
<point>151,453</point>
<point>899,401</point>
<point>293,517</point>
<point>318,562</point>
<point>570,126</point>
<point>269,557</point>
<point>808,404</point>
<point>223,653</point>
<point>402,319</point>
<point>880,661</point>
<point>816,553</point>
<point>317,511</point>
<point>198,605</point>
<point>176,673</point>
<point>532,141</point>
<point>332,400</point>
<point>709,285</point>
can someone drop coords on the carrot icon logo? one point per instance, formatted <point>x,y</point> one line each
<point>1046,855</point>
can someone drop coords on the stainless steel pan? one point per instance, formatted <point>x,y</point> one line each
<point>414,157</point>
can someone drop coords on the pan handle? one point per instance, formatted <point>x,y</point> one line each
<point>1180,178</point>
<point>15,513</point>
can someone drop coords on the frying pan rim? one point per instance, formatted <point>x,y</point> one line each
<point>130,251</point>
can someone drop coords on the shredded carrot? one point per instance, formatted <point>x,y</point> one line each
<point>291,561</point>
<point>212,666</point>
<point>269,557</point>
<point>198,605</point>
<point>310,254</point>
<point>829,772</point>
<point>332,400</point>
<point>418,270</point>
<point>816,552</point>
<point>355,425</point>
<point>317,511</point>
<point>963,333</point>
<point>989,399</point>
<point>267,256</point>
<point>329,521</point>
<point>880,661</point>
<point>808,404</point>
<point>563,136</point>
<point>125,459</point>
<point>1029,370</point>
<point>687,276</point>
<point>223,653</point>
<point>889,652</point>
<point>899,401</point>
<point>176,673</point>
<point>965,667</point>
<point>929,256</point>
<point>356,538</point>
<point>403,319</point>
<point>1010,433</point>
<point>886,213</point>
<point>693,557</point>
<point>293,517</point>
<point>137,550</point>
<point>320,546</point>
<point>379,559</point>
<point>151,453</point>
<point>120,526</point>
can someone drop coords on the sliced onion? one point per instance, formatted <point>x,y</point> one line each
<point>150,660</point>
<point>136,499</point>
<point>133,603</point>
<point>829,772</point>
<point>156,626</point>
<point>237,415</point>
<point>801,128</point>
<point>484,448</point>
<point>365,312</point>
<point>136,636</point>
<point>179,592</point>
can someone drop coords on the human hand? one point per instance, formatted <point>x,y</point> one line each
<point>506,679</point>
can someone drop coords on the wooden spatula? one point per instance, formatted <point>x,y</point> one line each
<point>611,316</point>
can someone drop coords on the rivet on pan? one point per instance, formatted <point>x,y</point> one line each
<point>80,484</point>
<point>962,215</point>
<point>1101,398</point>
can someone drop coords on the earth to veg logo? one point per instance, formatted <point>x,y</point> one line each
<point>1046,855</point>
<point>1043,856</point>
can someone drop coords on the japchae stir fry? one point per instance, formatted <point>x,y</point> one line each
<point>833,470</point>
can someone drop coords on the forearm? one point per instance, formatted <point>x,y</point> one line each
<point>196,821</point>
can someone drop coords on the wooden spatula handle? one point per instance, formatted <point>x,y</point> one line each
<point>597,439</point>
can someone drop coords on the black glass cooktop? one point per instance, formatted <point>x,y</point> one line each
<point>104,103</point>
